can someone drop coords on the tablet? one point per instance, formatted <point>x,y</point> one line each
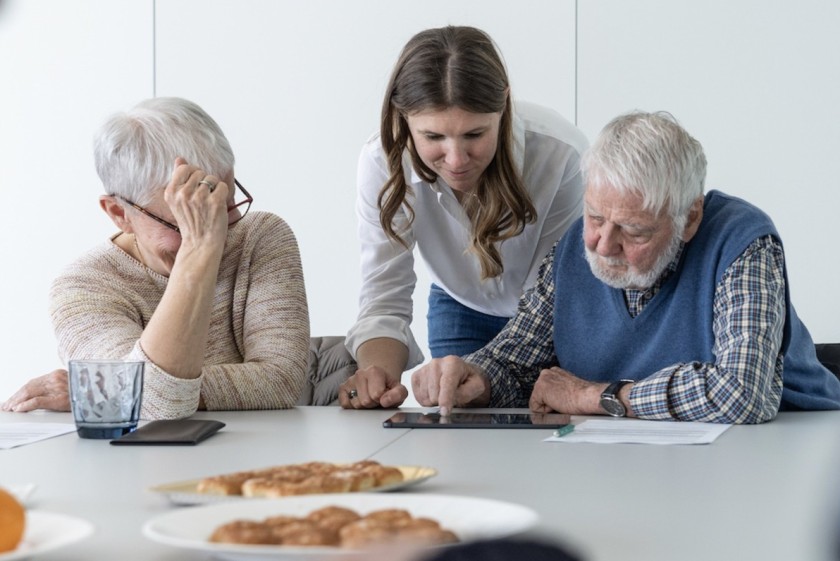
<point>461,420</point>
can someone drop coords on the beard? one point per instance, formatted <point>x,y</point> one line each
<point>631,277</point>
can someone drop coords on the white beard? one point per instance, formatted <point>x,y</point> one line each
<point>631,278</point>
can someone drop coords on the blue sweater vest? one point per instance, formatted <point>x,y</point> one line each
<point>596,339</point>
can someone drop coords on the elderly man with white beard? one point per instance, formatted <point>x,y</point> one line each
<point>659,303</point>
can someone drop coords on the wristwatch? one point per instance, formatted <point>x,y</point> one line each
<point>609,399</point>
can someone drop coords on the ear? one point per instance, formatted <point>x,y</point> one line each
<point>116,212</point>
<point>695,216</point>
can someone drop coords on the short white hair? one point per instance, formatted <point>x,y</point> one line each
<point>135,150</point>
<point>651,155</point>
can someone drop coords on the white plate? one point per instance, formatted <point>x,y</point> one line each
<point>470,519</point>
<point>186,492</point>
<point>46,531</point>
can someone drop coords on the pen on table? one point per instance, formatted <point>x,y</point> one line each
<point>564,430</point>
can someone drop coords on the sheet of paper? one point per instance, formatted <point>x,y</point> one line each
<point>634,431</point>
<point>18,434</point>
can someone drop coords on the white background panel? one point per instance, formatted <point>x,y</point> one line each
<point>298,88</point>
<point>65,67</point>
<point>757,84</point>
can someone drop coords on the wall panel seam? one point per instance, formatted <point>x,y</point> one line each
<point>577,42</point>
<point>154,48</point>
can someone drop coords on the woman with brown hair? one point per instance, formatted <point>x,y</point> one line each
<point>482,186</point>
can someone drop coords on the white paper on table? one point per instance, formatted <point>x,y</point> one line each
<point>19,434</point>
<point>634,431</point>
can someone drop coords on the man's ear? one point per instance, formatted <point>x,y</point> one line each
<point>695,216</point>
<point>116,212</point>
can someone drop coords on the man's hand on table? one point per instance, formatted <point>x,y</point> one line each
<point>561,391</point>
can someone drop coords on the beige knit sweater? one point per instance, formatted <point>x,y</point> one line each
<point>258,344</point>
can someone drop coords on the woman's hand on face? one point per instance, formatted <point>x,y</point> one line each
<point>49,391</point>
<point>199,203</point>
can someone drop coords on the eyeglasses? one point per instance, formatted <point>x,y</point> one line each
<point>240,213</point>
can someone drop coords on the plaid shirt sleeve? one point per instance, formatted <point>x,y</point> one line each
<point>744,384</point>
<point>514,358</point>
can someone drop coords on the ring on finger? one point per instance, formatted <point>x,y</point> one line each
<point>352,393</point>
<point>211,186</point>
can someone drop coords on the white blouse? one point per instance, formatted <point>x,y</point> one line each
<point>547,151</point>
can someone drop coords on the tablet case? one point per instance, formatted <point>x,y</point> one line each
<point>183,432</point>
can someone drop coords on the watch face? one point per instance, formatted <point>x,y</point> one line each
<point>613,406</point>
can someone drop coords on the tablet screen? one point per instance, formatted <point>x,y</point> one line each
<point>461,420</point>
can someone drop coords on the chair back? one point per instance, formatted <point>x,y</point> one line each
<point>329,365</point>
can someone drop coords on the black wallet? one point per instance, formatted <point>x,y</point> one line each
<point>183,432</point>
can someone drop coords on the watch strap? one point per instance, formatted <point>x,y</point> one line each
<point>615,387</point>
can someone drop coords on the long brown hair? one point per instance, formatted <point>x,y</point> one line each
<point>455,67</point>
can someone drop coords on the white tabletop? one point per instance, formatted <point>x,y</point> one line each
<point>758,492</point>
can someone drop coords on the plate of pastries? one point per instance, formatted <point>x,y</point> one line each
<point>321,526</point>
<point>309,478</point>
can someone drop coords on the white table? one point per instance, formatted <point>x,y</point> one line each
<point>759,492</point>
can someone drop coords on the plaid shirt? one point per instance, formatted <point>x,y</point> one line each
<point>749,316</point>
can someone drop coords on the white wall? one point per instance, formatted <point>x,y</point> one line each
<point>297,88</point>
<point>758,84</point>
<point>65,66</point>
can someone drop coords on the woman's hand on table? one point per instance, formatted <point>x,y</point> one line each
<point>370,388</point>
<point>49,391</point>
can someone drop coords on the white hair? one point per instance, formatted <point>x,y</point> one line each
<point>135,150</point>
<point>650,155</point>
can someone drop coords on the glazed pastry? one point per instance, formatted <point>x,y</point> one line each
<point>335,526</point>
<point>277,487</point>
<point>365,532</point>
<point>302,532</point>
<point>244,532</point>
<point>302,479</point>
<point>384,475</point>
<point>331,512</point>
<point>389,516</point>
<point>224,484</point>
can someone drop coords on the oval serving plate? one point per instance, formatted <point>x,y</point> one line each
<point>185,492</point>
<point>469,518</point>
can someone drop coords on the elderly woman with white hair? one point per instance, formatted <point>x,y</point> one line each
<point>210,296</point>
